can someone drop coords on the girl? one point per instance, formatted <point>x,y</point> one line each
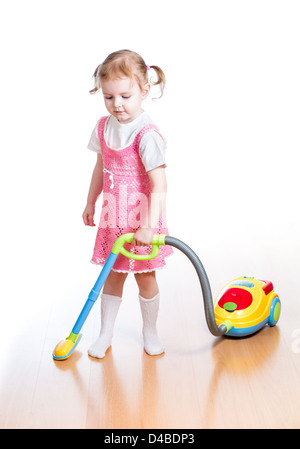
<point>130,171</point>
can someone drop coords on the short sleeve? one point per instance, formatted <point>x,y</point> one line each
<point>94,143</point>
<point>152,150</point>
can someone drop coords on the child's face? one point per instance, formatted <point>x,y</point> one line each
<point>123,98</point>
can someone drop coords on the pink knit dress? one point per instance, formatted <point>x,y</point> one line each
<point>126,192</point>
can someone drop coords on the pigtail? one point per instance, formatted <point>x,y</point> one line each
<point>96,77</point>
<point>161,79</point>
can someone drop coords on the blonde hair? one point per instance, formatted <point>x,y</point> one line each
<point>130,64</point>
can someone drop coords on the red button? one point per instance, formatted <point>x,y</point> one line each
<point>268,287</point>
<point>242,298</point>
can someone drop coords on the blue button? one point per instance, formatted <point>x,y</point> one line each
<point>243,283</point>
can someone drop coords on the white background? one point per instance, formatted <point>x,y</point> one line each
<point>230,114</point>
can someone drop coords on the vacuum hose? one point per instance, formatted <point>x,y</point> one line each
<point>204,282</point>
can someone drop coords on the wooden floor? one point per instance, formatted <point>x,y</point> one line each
<point>200,382</point>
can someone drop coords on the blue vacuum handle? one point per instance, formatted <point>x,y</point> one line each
<point>94,293</point>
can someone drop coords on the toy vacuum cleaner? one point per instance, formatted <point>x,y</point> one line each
<point>244,306</point>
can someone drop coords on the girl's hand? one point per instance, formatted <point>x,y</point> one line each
<point>143,237</point>
<point>88,214</point>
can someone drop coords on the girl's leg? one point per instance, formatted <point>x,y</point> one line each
<point>114,283</point>
<point>149,301</point>
<point>110,302</point>
<point>147,284</point>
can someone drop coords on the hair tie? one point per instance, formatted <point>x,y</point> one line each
<point>148,67</point>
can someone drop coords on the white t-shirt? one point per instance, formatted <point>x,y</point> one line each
<point>120,135</point>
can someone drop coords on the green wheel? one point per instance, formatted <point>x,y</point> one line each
<point>274,312</point>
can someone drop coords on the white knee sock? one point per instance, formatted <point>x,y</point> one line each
<point>109,309</point>
<point>149,309</point>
